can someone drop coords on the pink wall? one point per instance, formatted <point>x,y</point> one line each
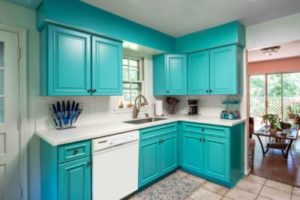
<point>274,66</point>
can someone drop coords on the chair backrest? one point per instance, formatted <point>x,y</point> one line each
<point>251,126</point>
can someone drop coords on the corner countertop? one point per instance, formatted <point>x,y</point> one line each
<point>59,137</point>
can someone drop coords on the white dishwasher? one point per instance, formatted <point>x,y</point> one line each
<point>115,166</point>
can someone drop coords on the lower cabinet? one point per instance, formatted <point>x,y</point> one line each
<point>158,152</point>
<point>66,171</point>
<point>75,179</point>
<point>213,152</point>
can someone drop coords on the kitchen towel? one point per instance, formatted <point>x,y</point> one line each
<point>159,108</point>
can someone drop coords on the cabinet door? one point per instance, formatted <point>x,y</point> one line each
<point>168,152</point>
<point>198,73</point>
<point>216,156</point>
<point>176,71</point>
<point>107,67</point>
<point>148,161</point>
<point>223,70</point>
<point>69,67</point>
<point>74,180</point>
<point>192,152</point>
<point>159,74</point>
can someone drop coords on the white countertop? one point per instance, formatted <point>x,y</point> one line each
<point>58,137</point>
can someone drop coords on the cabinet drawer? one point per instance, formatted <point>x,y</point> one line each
<point>73,151</point>
<point>157,131</point>
<point>204,129</point>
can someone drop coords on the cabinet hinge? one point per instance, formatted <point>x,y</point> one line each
<point>19,123</point>
<point>21,192</point>
<point>19,53</point>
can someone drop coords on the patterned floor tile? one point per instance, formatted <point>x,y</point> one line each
<point>250,186</point>
<point>238,194</point>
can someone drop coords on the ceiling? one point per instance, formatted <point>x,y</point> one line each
<point>179,17</point>
<point>285,51</point>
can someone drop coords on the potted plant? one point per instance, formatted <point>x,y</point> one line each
<point>274,122</point>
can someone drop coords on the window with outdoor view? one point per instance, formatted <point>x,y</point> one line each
<point>275,94</point>
<point>133,79</point>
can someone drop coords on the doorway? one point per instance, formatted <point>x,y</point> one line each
<point>273,75</point>
<point>9,116</point>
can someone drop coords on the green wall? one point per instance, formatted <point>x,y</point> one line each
<point>17,16</point>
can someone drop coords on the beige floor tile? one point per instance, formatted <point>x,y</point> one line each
<point>226,198</point>
<point>279,186</point>
<point>263,198</point>
<point>295,197</point>
<point>239,194</point>
<point>197,179</point>
<point>181,173</point>
<point>296,191</point>
<point>204,194</point>
<point>255,179</point>
<point>274,194</point>
<point>216,188</point>
<point>250,186</point>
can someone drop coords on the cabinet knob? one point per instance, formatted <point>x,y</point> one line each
<point>88,163</point>
<point>200,139</point>
<point>207,91</point>
<point>202,129</point>
<point>168,91</point>
<point>94,90</point>
<point>76,151</point>
<point>210,91</point>
<point>204,140</point>
<point>89,90</point>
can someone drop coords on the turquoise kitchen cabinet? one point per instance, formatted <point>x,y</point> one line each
<point>75,63</point>
<point>224,70</point>
<point>149,161</point>
<point>216,156</point>
<point>106,67</point>
<point>192,156</point>
<point>158,152</point>
<point>65,62</point>
<point>170,74</point>
<point>216,71</point>
<point>198,73</point>
<point>213,152</point>
<point>66,171</point>
<point>75,180</point>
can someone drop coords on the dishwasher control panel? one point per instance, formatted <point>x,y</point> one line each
<point>114,140</point>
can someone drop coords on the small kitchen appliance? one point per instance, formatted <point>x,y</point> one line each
<point>193,106</point>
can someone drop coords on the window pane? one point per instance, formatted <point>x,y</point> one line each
<point>125,61</point>
<point>1,82</point>
<point>257,96</point>
<point>133,63</point>
<point>1,53</point>
<point>1,109</point>
<point>136,86</point>
<point>134,74</point>
<point>126,95</point>
<point>274,94</point>
<point>291,94</point>
<point>125,73</point>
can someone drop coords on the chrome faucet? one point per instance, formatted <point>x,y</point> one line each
<point>137,105</point>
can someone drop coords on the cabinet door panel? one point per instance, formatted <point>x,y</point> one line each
<point>69,67</point>
<point>159,74</point>
<point>168,149</point>
<point>148,161</point>
<point>176,80</point>
<point>107,67</point>
<point>198,73</point>
<point>75,180</point>
<point>216,156</point>
<point>223,70</point>
<point>192,155</point>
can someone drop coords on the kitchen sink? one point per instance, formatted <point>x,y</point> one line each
<point>145,120</point>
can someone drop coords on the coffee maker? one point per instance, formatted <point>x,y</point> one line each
<point>193,106</point>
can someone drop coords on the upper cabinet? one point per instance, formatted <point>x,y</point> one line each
<point>79,64</point>
<point>215,71</point>
<point>170,74</point>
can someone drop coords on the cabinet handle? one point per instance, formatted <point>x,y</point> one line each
<point>88,163</point>
<point>89,90</point>
<point>76,151</point>
<point>168,91</point>
<point>204,140</point>
<point>210,91</point>
<point>200,139</point>
<point>94,90</point>
<point>207,91</point>
<point>202,129</point>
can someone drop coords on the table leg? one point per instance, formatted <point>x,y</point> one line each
<point>286,153</point>
<point>262,146</point>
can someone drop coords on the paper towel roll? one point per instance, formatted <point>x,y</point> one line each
<point>158,107</point>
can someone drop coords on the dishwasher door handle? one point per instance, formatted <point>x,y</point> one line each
<point>103,141</point>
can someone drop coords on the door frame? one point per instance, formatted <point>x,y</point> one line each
<point>22,107</point>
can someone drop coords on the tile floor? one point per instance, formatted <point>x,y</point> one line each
<point>249,188</point>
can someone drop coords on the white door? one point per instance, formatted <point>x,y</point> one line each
<point>9,134</point>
